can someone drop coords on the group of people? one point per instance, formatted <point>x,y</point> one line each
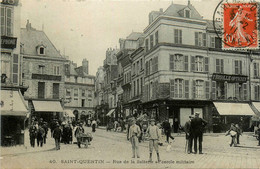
<point>38,131</point>
<point>154,135</point>
<point>194,129</point>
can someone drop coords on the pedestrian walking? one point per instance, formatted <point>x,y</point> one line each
<point>154,136</point>
<point>134,133</point>
<point>94,125</point>
<point>40,136</point>
<point>239,133</point>
<point>32,134</point>
<point>233,133</point>
<point>45,127</point>
<point>78,133</point>
<point>189,138</point>
<point>57,133</point>
<point>197,127</point>
<point>167,130</point>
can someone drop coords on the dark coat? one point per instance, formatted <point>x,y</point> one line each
<point>187,127</point>
<point>166,126</point>
<point>57,133</point>
<point>33,131</point>
<point>197,126</point>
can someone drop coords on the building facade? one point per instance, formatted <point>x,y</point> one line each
<point>14,110</point>
<point>186,71</point>
<point>43,73</point>
<point>79,91</point>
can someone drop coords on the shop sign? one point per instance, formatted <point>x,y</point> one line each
<point>229,78</point>
<point>8,42</point>
<point>10,2</point>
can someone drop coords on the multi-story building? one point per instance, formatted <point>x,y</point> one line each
<point>13,107</point>
<point>43,72</point>
<point>127,46</point>
<point>137,78</point>
<point>79,91</point>
<point>99,94</point>
<point>110,74</point>
<point>186,71</point>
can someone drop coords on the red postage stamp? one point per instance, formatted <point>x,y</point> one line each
<point>240,26</point>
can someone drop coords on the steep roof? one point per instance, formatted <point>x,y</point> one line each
<point>177,10</point>
<point>31,39</point>
<point>134,36</point>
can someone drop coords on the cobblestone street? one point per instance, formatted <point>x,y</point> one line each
<point>106,148</point>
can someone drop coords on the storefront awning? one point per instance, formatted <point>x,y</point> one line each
<point>69,113</point>
<point>110,112</point>
<point>240,109</point>
<point>47,106</point>
<point>12,103</point>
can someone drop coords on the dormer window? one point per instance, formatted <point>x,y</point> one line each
<point>187,13</point>
<point>41,49</point>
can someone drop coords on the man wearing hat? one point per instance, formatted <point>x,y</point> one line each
<point>78,132</point>
<point>189,138</point>
<point>57,136</point>
<point>134,134</point>
<point>154,135</point>
<point>197,127</point>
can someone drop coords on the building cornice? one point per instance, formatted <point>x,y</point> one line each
<point>43,58</point>
<point>79,84</point>
<point>171,18</point>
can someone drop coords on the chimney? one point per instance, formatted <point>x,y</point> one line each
<point>188,2</point>
<point>85,65</point>
<point>28,24</point>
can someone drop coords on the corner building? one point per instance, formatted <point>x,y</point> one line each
<point>186,71</point>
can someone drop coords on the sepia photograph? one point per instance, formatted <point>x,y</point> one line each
<point>130,84</point>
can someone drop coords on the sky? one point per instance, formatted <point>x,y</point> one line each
<point>87,28</point>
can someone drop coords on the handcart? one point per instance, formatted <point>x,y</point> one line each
<point>85,139</point>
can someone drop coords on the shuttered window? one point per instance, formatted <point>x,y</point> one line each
<point>186,89</point>
<point>200,39</point>
<point>15,69</point>
<point>213,90</point>
<point>171,88</point>
<point>238,67</point>
<point>177,36</point>
<point>207,91</point>
<point>219,65</point>
<point>256,69</point>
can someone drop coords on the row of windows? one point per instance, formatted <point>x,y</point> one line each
<point>42,70</point>
<point>137,87</point>
<point>55,90</point>
<point>180,88</point>
<point>137,67</point>
<point>77,91</point>
<point>151,66</point>
<point>154,39</point>
<point>200,40</point>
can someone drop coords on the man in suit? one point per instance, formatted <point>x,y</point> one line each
<point>167,130</point>
<point>197,126</point>
<point>189,138</point>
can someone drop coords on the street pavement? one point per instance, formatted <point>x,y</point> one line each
<point>112,150</point>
